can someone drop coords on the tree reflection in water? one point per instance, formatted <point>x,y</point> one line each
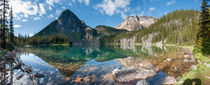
<point>8,64</point>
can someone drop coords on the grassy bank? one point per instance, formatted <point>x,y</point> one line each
<point>201,71</point>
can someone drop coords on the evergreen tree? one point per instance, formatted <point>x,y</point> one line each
<point>2,34</point>
<point>11,28</point>
<point>4,27</point>
<point>203,35</point>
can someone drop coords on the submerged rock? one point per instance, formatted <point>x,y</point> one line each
<point>142,82</point>
<point>169,80</point>
<point>19,76</point>
<point>168,59</point>
<point>136,62</point>
<point>38,75</point>
<point>8,57</point>
<point>18,66</point>
<point>132,73</point>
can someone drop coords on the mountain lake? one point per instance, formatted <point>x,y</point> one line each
<point>93,65</point>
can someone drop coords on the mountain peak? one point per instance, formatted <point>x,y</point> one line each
<point>68,20</point>
<point>69,25</point>
<point>133,23</point>
<point>67,12</point>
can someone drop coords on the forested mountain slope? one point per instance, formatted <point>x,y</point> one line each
<point>178,27</point>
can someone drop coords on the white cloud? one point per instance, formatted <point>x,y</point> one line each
<point>35,8</point>
<point>142,13</point>
<point>31,34</point>
<point>73,1</point>
<point>58,12</point>
<point>171,2</point>
<point>51,2</point>
<point>51,16</point>
<point>152,9</point>
<point>123,15</point>
<point>24,7</point>
<point>110,7</point>
<point>87,2</point>
<point>42,9</point>
<point>24,20</point>
<point>17,26</point>
<point>37,18</point>
<point>49,8</point>
<point>30,8</point>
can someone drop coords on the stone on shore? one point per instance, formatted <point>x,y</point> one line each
<point>169,80</point>
<point>131,73</point>
<point>136,62</point>
<point>142,82</point>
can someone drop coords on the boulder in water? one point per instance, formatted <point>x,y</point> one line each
<point>142,82</point>
<point>8,57</point>
<point>19,76</point>
<point>169,80</point>
<point>132,73</point>
<point>38,75</point>
<point>18,66</point>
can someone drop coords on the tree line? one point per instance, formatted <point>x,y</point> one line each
<point>42,40</point>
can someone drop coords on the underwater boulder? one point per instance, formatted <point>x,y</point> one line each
<point>38,75</point>
<point>169,80</point>
<point>132,73</point>
<point>142,82</point>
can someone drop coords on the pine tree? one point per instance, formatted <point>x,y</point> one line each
<point>11,28</point>
<point>203,35</point>
<point>2,34</point>
<point>4,27</point>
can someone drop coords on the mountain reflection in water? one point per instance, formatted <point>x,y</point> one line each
<point>94,65</point>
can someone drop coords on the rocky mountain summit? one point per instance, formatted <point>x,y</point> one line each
<point>134,23</point>
<point>69,25</point>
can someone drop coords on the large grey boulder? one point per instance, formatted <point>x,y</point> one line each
<point>132,73</point>
<point>169,80</point>
<point>136,62</point>
<point>142,82</point>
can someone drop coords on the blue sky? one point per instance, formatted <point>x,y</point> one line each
<point>31,16</point>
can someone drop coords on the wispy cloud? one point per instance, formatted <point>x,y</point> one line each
<point>171,2</point>
<point>42,9</point>
<point>17,26</point>
<point>31,34</point>
<point>87,2</point>
<point>51,16</point>
<point>111,7</point>
<point>26,8</point>
<point>37,18</point>
<point>142,13</point>
<point>51,2</point>
<point>24,20</point>
<point>152,9</point>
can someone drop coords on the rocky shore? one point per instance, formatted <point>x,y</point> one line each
<point>9,63</point>
<point>136,68</point>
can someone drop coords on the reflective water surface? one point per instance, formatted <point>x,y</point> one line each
<point>94,65</point>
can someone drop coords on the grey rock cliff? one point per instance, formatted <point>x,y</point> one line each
<point>134,23</point>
